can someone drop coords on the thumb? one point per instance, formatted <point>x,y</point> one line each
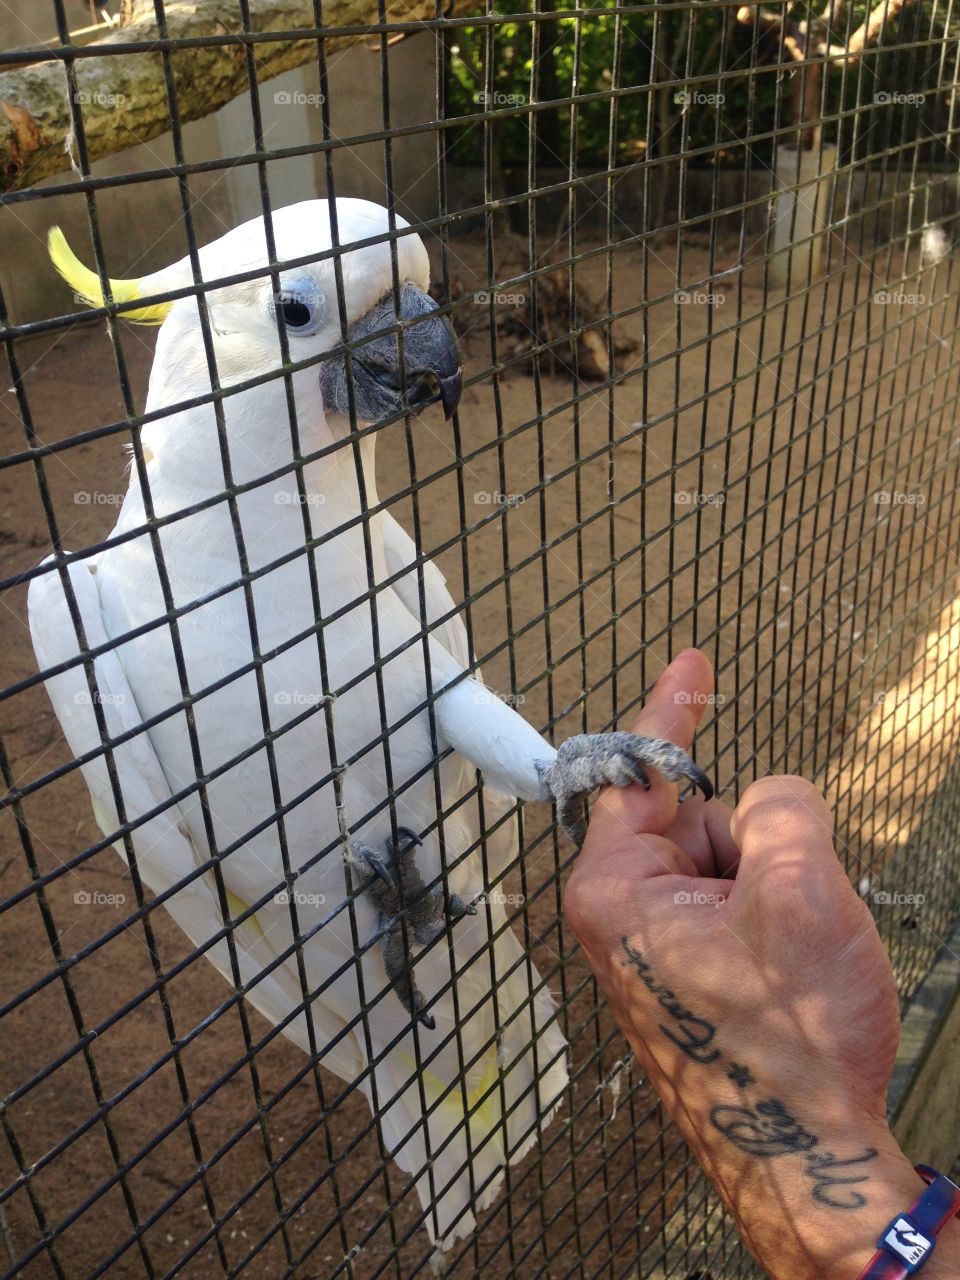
<point>781,826</point>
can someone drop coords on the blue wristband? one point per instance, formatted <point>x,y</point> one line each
<point>909,1239</point>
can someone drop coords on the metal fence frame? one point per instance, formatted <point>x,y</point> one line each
<point>566,1241</point>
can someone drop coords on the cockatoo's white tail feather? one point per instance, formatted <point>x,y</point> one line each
<point>490,1116</point>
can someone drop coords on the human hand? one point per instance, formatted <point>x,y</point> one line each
<point>751,981</point>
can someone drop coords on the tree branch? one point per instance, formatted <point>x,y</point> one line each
<point>770,21</point>
<point>870,32</point>
<point>123,96</point>
<point>834,13</point>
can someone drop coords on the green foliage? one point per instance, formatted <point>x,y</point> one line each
<point>507,65</point>
<point>496,69</point>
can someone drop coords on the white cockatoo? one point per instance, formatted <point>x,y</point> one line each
<point>284,856</point>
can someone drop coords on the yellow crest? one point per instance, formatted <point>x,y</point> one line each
<point>86,283</point>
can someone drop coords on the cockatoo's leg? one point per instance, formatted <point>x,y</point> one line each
<point>591,760</point>
<point>397,890</point>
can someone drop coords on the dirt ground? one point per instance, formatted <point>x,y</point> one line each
<point>773,480</point>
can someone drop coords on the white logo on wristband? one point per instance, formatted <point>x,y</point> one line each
<point>903,1239</point>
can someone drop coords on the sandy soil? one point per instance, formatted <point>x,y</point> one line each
<point>727,495</point>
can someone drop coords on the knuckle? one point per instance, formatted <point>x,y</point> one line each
<point>782,797</point>
<point>610,888</point>
<point>790,785</point>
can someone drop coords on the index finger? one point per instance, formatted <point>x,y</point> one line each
<point>673,711</point>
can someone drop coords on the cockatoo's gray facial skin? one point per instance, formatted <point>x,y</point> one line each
<point>431,362</point>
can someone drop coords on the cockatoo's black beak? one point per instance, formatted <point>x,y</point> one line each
<point>431,364</point>
<point>451,389</point>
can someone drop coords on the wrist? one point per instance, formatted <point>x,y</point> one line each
<point>814,1208</point>
<point>808,1227</point>
<point>796,1238</point>
<point>922,1236</point>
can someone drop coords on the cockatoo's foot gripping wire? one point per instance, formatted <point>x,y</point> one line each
<point>591,760</point>
<point>396,889</point>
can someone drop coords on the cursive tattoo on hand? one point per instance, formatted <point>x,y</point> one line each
<point>694,1035</point>
<point>740,1075</point>
<point>764,1128</point>
<point>820,1165</point>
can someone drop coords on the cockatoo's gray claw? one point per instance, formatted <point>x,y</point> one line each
<point>406,908</point>
<point>592,760</point>
<point>400,972</point>
<point>701,781</point>
<point>405,838</point>
<point>378,884</point>
<point>378,868</point>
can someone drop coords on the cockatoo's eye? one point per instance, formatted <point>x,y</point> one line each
<point>302,306</point>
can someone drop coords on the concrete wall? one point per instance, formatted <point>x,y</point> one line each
<point>716,199</point>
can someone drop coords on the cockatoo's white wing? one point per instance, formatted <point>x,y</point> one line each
<point>522,1074</point>
<point>400,552</point>
<point>164,851</point>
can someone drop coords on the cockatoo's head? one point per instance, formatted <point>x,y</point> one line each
<point>246,318</point>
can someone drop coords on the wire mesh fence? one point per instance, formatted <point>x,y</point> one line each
<point>699,267</point>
